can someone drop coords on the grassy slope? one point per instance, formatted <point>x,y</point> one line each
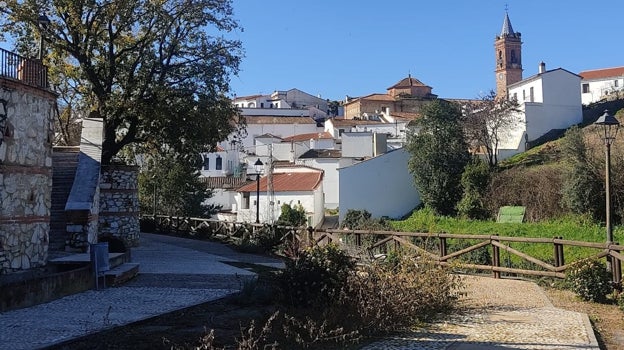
<point>571,228</point>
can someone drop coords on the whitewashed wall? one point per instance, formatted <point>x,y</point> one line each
<point>381,185</point>
<point>281,130</point>
<point>311,202</point>
<point>601,88</point>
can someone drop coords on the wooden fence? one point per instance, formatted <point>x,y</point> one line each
<point>365,244</point>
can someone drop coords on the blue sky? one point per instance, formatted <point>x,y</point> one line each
<point>338,47</point>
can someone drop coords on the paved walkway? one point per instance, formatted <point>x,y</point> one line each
<point>176,273</point>
<point>501,314</point>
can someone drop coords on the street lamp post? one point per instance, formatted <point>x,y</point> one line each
<point>258,166</point>
<point>610,126</point>
<point>43,22</point>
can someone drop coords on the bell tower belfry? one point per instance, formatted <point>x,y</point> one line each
<point>508,50</point>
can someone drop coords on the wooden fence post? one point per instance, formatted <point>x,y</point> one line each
<point>560,254</point>
<point>442,246</point>
<point>556,253</point>
<point>496,259</point>
<point>616,268</point>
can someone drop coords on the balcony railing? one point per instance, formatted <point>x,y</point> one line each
<point>27,70</point>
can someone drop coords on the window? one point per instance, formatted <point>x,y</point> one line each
<point>219,165</point>
<point>615,83</point>
<point>245,203</point>
<point>585,88</point>
<point>515,96</point>
<point>523,95</point>
<point>206,163</point>
<point>340,131</point>
<point>531,94</point>
<point>261,104</point>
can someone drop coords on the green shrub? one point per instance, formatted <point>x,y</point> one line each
<point>590,280</point>
<point>315,276</point>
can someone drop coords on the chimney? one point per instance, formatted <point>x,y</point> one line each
<point>542,67</point>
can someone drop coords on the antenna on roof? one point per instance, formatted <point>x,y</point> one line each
<point>506,7</point>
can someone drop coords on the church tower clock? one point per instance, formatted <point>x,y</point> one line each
<point>508,49</point>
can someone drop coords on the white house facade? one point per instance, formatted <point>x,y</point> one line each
<point>381,185</point>
<point>292,185</point>
<point>549,100</point>
<point>600,84</point>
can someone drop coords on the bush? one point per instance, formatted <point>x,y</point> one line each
<point>315,276</point>
<point>387,297</point>
<point>590,280</point>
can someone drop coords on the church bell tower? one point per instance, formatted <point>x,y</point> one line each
<point>508,50</point>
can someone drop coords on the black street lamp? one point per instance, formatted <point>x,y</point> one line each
<point>258,166</point>
<point>610,126</point>
<point>43,22</point>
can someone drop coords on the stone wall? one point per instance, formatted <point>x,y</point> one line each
<point>25,175</point>
<point>119,203</point>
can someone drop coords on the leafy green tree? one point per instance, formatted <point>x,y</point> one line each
<point>475,181</point>
<point>363,220</point>
<point>173,186</point>
<point>156,72</point>
<point>583,191</point>
<point>439,154</point>
<point>292,216</point>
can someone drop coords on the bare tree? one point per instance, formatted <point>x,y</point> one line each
<point>487,120</point>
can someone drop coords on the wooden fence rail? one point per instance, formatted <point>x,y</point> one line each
<point>373,244</point>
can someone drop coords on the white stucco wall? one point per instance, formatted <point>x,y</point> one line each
<point>311,202</point>
<point>229,162</point>
<point>601,88</point>
<point>382,185</point>
<point>331,182</point>
<point>281,130</point>
<point>357,144</point>
<point>557,105</point>
<point>223,197</point>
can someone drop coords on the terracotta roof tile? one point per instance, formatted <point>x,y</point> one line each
<point>306,137</point>
<point>288,182</point>
<point>407,82</point>
<point>278,120</point>
<point>602,73</point>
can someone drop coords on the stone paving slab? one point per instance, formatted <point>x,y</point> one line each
<point>174,273</point>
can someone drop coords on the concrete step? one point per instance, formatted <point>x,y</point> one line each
<point>121,274</point>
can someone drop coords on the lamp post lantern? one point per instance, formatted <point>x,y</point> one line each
<point>258,166</point>
<point>610,126</point>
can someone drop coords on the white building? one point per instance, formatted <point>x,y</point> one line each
<point>293,103</point>
<point>277,127</point>
<point>382,185</point>
<point>600,84</point>
<point>222,172</point>
<point>292,185</point>
<point>549,100</point>
<point>328,160</point>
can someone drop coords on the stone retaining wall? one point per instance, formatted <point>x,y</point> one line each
<point>25,175</point>
<point>119,203</point>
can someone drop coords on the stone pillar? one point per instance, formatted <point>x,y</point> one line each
<point>25,177</point>
<point>119,203</point>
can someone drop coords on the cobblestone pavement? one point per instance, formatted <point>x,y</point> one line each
<point>174,273</point>
<point>500,314</point>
